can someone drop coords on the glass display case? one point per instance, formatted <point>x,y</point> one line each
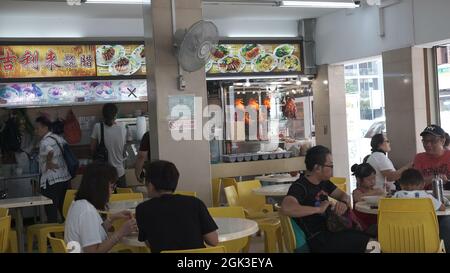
<point>263,119</point>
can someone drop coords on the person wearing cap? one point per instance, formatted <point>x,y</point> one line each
<point>386,174</point>
<point>435,159</point>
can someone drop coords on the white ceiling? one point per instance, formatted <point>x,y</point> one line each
<point>59,8</point>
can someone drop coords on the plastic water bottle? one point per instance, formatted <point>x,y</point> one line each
<point>438,188</point>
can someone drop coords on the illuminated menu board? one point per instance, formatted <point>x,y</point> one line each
<point>256,58</point>
<point>66,61</point>
<point>47,61</point>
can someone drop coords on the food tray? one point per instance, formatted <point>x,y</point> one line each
<point>229,158</point>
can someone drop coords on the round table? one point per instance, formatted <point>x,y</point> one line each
<point>278,178</point>
<point>371,209</point>
<point>273,190</point>
<point>229,229</point>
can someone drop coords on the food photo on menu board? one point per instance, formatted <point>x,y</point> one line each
<point>41,61</point>
<point>61,93</point>
<point>255,58</point>
<point>125,60</point>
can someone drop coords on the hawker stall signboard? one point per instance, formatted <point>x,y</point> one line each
<point>71,61</point>
<point>47,61</point>
<point>256,58</point>
<point>126,60</point>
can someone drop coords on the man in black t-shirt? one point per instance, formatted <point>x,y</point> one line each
<point>170,221</point>
<point>143,155</point>
<point>307,202</point>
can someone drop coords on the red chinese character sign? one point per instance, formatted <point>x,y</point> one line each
<point>47,61</point>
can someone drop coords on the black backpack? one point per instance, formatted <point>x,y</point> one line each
<point>10,138</point>
<point>69,157</point>
<point>101,152</point>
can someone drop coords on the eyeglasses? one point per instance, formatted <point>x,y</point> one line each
<point>329,166</point>
<point>430,140</point>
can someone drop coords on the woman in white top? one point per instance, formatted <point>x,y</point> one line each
<point>114,138</point>
<point>52,167</point>
<point>386,174</point>
<point>84,224</point>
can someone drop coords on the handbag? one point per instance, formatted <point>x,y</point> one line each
<point>101,152</point>
<point>346,221</point>
<point>71,160</point>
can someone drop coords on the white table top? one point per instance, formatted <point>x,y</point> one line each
<point>278,178</point>
<point>367,208</point>
<point>273,190</point>
<point>229,229</point>
<point>23,202</point>
<point>119,206</point>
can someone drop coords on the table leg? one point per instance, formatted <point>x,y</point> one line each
<point>19,227</point>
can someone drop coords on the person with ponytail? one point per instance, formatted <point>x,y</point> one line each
<point>386,174</point>
<point>365,186</point>
<point>114,137</point>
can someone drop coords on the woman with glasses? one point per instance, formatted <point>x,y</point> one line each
<point>84,223</point>
<point>386,174</point>
<point>436,159</point>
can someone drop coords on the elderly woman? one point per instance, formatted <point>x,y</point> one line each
<point>386,174</point>
<point>55,177</point>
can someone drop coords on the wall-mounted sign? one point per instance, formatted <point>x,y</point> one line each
<point>68,61</point>
<point>255,58</point>
<point>68,93</point>
<point>113,60</point>
<point>47,61</point>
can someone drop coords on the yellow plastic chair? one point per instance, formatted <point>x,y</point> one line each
<point>268,222</point>
<point>233,246</point>
<point>408,226</point>
<point>117,197</point>
<point>213,249</point>
<point>288,233</point>
<point>340,182</point>
<point>229,181</point>
<point>5,226</point>
<point>186,193</point>
<point>255,205</point>
<point>41,231</point>
<point>124,190</point>
<point>215,188</point>
<point>232,196</point>
<point>12,245</point>
<point>57,245</point>
<point>4,212</point>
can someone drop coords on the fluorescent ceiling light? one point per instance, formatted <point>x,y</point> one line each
<point>317,4</point>
<point>136,2</point>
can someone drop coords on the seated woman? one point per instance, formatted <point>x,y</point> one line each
<point>84,224</point>
<point>170,221</point>
<point>365,186</point>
